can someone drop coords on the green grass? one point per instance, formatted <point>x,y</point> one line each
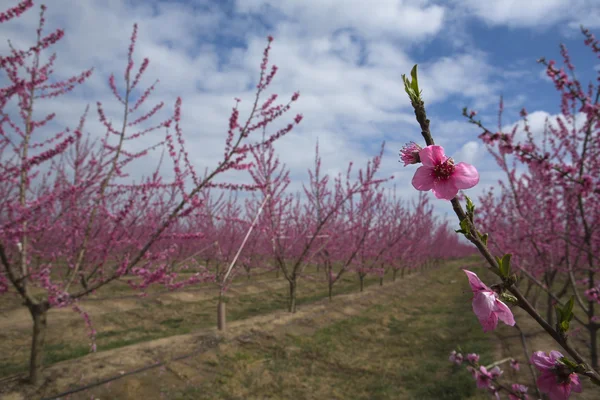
<point>397,350</point>
<point>59,352</point>
<point>145,323</point>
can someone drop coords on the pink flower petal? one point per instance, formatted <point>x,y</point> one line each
<point>465,176</point>
<point>560,391</point>
<point>446,190</point>
<point>475,282</point>
<point>423,179</point>
<point>504,313</point>
<point>483,304</point>
<point>432,155</point>
<point>490,323</point>
<point>575,384</point>
<point>555,355</point>
<point>542,361</point>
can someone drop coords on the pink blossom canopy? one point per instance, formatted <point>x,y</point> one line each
<point>441,175</point>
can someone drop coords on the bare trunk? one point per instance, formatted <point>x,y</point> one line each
<point>39,313</point>
<point>292,304</point>
<point>594,347</point>
<point>594,328</point>
<point>221,315</point>
<point>381,281</point>
<point>536,296</point>
<point>550,310</point>
<point>330,290</point>
<point>362,282</point>
<point>529,287</point>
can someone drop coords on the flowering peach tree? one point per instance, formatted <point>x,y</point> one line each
<point>573,168</point>
<point>67,229</point>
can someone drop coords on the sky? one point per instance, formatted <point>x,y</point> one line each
<point>345,57</point>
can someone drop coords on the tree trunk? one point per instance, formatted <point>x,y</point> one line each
<point>39,313</point>
<point>529,286</point>
<point>550,311</point>
<point>221,315</point>
<point>536,296</point>
<point>292,304</point>
<point>594,347</point>
<point>381,281</point>
<point>362,282</point>
<point>394,275</point>
<point>402,273</point>
<point>594,328</point>
<point>330,290</point>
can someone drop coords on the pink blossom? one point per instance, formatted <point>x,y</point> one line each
<point>556,380</point>
<point>519,389</point>
<point>515,364</point>
<point>410,153</point>
<point>496,372</point>
<point>440,174</point>
<point>474,358</point>
<point>486,305</point>
<point>593,294</point>
<point>484,378</point>
<point>455,357</point>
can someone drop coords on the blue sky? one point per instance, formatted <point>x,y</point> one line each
<point>346,58</point>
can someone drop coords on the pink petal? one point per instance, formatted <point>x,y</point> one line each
<point>465,176</point>
<point>432,155</point>
<point>483,305</point>
<point>423,179</point>
<point>546,382</point>
<point>575,384</point>
<point>446,190</point>
<point>542,361</point>
<point>560,391</point>
<point>504,313</point>
<point>490,323</point>
<point>555,355</point>
<point>475,282</point>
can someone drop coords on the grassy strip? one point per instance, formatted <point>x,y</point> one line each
<point>397,350</point>
<point>154,321</point>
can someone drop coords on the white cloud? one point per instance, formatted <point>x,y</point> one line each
<point>395,18</point>
<point>533,13</point>
<point>470,153</point>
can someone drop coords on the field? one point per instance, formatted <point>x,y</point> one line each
<point>388,342</point>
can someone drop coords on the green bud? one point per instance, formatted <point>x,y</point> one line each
<point>470,206</point>
<point>412,86</point>
<point>464,226</point>
<point>509,298</point>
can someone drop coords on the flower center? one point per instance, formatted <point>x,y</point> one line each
<point>444,170</point>
<point>563,374</point>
